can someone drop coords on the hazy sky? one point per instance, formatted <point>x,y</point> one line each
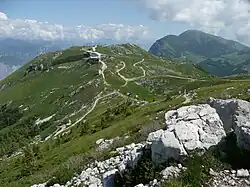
<point>123,19</point>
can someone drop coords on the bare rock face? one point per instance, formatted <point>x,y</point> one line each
<point>226,110</point>
<point>108,178</point>
<point>235,114</point>
<point>166,147</point>
<point>188,128</point>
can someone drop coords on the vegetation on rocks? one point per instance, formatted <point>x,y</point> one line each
<point>144,172</point>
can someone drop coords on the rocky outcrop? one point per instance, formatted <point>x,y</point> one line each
<point>226,178</point>
<point>100,174</point>
<point>187,128</point>
<point>235,115</point>
<point>171,172</point>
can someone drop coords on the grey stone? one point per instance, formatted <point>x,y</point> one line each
<point>242,173</point>
<point>165,148</point>
<point>235,114</point>
<point>187,128</point>
<point>170,172</point>
<point>108,178</point>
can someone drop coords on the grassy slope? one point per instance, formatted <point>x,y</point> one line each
<point>51,92</point>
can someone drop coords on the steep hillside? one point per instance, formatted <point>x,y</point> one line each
<point>216,55</point>
<point>54,108</point>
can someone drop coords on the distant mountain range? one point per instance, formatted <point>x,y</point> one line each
<point>14,53</point>
<point>214,54</point>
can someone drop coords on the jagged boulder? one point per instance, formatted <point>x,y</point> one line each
<point>187,128</point>
<point>235,114</point>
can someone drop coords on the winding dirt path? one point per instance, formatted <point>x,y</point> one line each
<point>130,79</point>
<point>103,68</point>
<point>64,128</point>
<point>93,106</point>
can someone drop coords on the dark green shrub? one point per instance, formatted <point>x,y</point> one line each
<point>144,172</point>
<point>198,166</point>
<point>69,58</point>
<point>85,129</point>
<point>29,160</point>
<point>16,136</point>
<point>9,116</point>
<point>174,183</point>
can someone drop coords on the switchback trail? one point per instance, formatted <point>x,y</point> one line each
<point>130,79</point>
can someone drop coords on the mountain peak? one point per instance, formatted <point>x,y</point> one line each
<point>192,31</point>
<point>199,47</point>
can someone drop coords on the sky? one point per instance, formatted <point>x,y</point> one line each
<point>123,20</point>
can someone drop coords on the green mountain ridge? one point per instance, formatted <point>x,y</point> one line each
<point>69,76</point>
<point>214,54</point>
<point>63,101</point>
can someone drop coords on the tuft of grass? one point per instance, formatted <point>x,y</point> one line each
<point>197,170</point>
<point>174,183</point>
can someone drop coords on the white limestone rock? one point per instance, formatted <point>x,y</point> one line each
<point>140,185</point>
<point>235,114</point>
<point>166,147</point>
<point>39,185</point>
<point>225,179</point>
<point>154,136</point>
<point>57,185</point>
<point>99,141</point>
<point>170,172</point>
<point>242,173</point>
<point>187,128</point>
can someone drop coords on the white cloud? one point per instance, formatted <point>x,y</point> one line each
<point>229,18</point>
<point>3,16</point>
<point>32,29</point>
